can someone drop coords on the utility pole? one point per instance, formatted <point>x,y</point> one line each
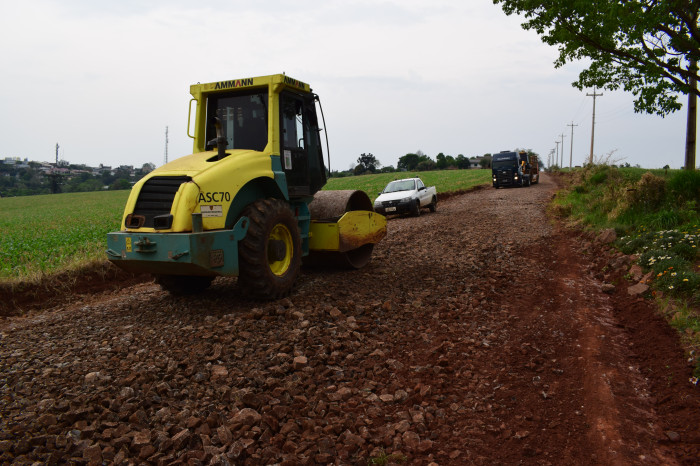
<point>166,145</point>
<point>571,150</point>
<point>594,95</point>
<point>556,158</point>
<point>562,150</point>
<point>55,176</point>
<point>690,136</point>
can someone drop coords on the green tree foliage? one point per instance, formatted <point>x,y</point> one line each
<point>443,161</point>
<point>366,163</point>
<point>648,48</point>
<point>410,162</point>
<point>485,162</point>
<point>121,183</point>
<point>426,165</point>
<point>462,161</point>
<point>639,45</point>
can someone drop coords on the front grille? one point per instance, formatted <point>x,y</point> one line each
<point>504,177</point>
<point>156,197</point>
<point>391,203</point>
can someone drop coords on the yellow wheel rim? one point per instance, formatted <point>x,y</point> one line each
<point>281,233</point>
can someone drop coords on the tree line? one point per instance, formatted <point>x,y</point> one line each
<point>418,161</point>
<point>31,180</point>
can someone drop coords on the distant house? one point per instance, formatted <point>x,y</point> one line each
<point>475,162</point>
<point>101,169</point>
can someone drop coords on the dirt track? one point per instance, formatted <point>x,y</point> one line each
<point>478,334</point>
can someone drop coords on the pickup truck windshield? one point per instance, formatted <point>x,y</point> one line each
<point>402,185</point>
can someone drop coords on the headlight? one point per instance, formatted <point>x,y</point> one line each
<point>405,199</point>
<point>516,177</point>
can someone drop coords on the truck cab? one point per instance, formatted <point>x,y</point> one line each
<point>510,168</point>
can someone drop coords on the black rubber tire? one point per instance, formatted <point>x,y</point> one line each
<point>433,205</point>
<point>256,268</point>
<point>183,285</point>
<point>415,210</point>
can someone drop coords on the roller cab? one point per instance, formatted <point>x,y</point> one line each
<point>240,203</point>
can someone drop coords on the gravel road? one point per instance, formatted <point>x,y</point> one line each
<point>478,334</point>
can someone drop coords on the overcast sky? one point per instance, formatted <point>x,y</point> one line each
<point>104,79</point>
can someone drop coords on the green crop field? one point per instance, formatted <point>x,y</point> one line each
<point>44,234</point>
<point>49,233</point>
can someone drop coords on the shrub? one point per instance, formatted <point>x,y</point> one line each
<point>649,192</point>
<point>599,175</point>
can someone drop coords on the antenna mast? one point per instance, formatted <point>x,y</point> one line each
<point>166,144</point>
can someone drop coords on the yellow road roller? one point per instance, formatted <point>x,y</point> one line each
<point>247,202</point>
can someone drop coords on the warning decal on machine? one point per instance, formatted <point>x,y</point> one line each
<point>211,211</point>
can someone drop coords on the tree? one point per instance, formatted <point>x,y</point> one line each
<point>366,163</point>
<point>441,161</point>
<point>649,48</point>
<point>409,162</point>
<point>121,183</point>
<point>462,161</point>
<point>485,162</point>
<point>426,165</point>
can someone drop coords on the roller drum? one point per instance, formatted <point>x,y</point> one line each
<point>329,206</point>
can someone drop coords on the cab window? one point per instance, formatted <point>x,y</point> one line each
<point>243,119</point>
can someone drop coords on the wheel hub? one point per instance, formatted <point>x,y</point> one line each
<point>279,249</point>
<point>276,250</point>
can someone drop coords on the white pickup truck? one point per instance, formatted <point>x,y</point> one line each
<point>409,195</point>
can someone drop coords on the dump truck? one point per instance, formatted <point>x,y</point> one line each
<point>247,202</point>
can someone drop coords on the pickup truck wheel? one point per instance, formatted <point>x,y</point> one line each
<point>183,285</point>
<point>270,253</point>
<point>416,209</point>
<point>433,205</point>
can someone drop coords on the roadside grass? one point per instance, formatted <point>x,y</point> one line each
<point>656,215</point>
<point>50,233</point>
<point>47,234</point>
<point>383,459</point>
